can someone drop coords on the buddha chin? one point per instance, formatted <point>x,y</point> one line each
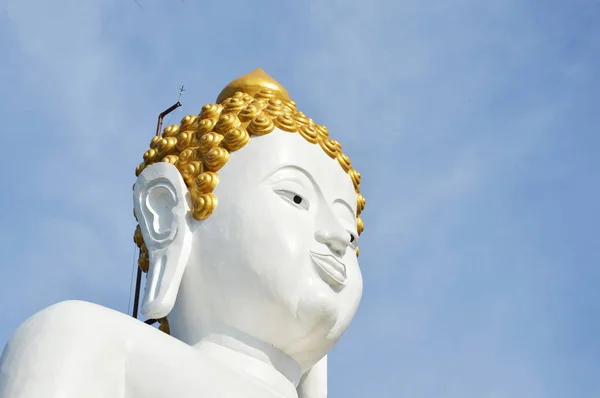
<point>325,319</point>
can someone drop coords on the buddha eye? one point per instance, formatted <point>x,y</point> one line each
<point>293,198</point>
<point>353,239</point>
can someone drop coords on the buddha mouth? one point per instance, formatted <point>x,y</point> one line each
<point>331,270</point>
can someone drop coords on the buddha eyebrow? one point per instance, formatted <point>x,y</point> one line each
<point>296,169</point>
<point>346,205</point>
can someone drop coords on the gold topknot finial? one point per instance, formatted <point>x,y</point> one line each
<point>252,83</point>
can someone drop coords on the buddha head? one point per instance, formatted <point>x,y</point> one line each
<point>249,219</point>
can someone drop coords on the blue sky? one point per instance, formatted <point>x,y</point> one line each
<point>475,126</point>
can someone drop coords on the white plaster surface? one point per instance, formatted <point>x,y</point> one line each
<point>256,295</point>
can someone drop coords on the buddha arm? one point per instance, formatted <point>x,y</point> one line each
<point>314,382</point>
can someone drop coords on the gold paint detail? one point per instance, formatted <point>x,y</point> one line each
<point>254,83</point>
<point>252,105</point>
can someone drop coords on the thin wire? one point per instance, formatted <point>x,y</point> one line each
<point>133,269</point>
<point>136,268</point>
<point>181,110</point>
<point>178,114</point>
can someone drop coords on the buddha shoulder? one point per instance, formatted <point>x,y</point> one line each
<point>72,323</point>
<point>76,349</point>
<point>82,328</point>
<point>97,344</point>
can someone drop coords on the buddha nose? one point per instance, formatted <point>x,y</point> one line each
<point>330,233</point>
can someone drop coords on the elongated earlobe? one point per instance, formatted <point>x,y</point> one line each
<point>161,208</point>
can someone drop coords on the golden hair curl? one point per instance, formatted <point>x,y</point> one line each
<point>201,145</point>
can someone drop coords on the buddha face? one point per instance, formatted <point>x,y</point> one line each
<point>277,258</point>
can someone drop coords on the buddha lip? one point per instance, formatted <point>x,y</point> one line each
<point>333,268</point>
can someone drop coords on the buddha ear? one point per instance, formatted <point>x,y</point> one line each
<point>314,382</point>
<point>161,208</point>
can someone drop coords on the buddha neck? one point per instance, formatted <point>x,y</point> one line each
<point>257,359</point>
<point>239,351</point>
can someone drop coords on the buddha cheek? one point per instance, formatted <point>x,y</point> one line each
<point>279,259</point>
<point>350,298</point>
<point>280,243</point>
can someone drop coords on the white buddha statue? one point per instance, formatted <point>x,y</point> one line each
<point>248,228</point>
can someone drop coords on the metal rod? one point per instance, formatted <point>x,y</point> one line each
<point>165,113</point>
<point>138,279</point>
<point>136,297</point>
